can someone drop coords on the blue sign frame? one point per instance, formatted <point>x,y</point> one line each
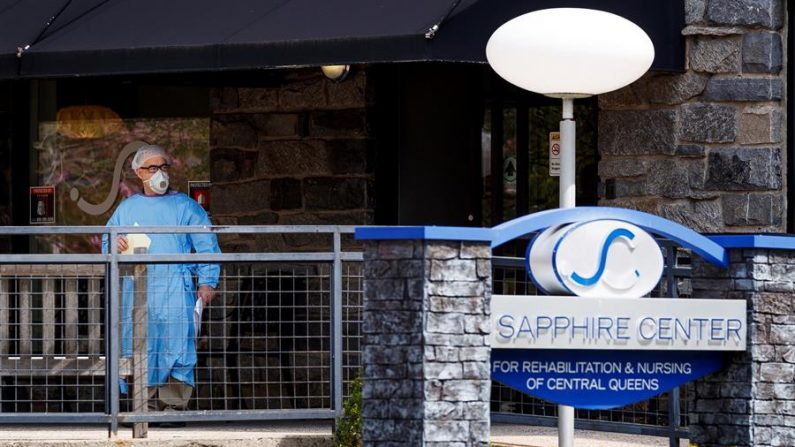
<point>705,247</point>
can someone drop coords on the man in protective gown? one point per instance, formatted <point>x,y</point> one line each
<point>171,296</point>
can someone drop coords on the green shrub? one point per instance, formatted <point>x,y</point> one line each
<point>349,428</point>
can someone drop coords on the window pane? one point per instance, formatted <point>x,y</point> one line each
<point>543,118</point>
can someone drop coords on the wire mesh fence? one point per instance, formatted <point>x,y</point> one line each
<point>352,305</point>
<point>51,338</point>
<point>266,347</point>
<point>265,342</point>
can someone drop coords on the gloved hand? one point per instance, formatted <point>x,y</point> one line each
<point>206,294</point>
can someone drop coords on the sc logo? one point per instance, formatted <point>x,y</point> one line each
<point>600,258</point>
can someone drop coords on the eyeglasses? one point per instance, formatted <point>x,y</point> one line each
<point>154,168</point>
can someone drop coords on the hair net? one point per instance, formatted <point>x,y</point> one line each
<point>146,152</point>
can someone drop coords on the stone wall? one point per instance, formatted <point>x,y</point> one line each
<point>426,349</point>
<point>706,147</point>
<point>752,400</point>
<point>292,152</point>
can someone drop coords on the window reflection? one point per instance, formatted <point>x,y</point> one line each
<point>83,169</point>
<point>542,188</point>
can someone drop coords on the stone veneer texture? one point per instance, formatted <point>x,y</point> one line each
<point>751,401</point>
<point>705,147</point>
<point>292,152</point>
<point>426,350</point>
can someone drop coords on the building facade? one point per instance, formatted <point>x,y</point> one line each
<point>406,138</point>
<point>705,145</point>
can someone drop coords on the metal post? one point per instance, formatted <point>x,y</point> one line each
<point>336,327</point>
<point>112,334</point>
<point>568,185</point>
<point>140,393</point>
<point>565,426</point>
<point>568,197</point>
<point>673,417</point>
<point>674,405</point>
<point>106,303</point>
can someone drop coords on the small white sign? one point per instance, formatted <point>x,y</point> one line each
<point>562,322</point>
<point>554,154</point>
<point>509,170</point>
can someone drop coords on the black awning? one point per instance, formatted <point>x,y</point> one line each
<point>21,22</point>
<point>96,37</point>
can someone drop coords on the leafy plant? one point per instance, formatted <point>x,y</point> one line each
<point>349,428</point>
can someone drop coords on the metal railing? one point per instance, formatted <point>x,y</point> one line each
<point>280,341</point>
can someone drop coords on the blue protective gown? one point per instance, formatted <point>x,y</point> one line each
<point>171,294</point>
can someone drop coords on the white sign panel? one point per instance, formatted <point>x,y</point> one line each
<point>561,322</point>
<point>554,154</point>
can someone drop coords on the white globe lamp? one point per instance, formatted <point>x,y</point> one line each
<point>569,53</point>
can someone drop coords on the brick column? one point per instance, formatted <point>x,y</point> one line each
<point>751,402</point>
<point>426,347</point>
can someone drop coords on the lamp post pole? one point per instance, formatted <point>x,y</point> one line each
<point>568,189</point>
<point>567,199</point>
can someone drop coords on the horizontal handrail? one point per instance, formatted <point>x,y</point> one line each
<point>192,258</point>
<point>220,229</point>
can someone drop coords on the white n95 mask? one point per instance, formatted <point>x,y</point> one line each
<point>159,182</point>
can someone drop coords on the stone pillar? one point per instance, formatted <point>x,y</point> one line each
<point>426,347</point>
<point>751,402</point>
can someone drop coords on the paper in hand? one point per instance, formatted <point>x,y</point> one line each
<point>137,240</point>
<point>197,316</point>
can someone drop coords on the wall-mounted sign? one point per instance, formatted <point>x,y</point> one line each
<point>200,192</point>
<point>554,154</point>
<point>42,204</point>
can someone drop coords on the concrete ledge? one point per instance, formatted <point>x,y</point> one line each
<point>242,434</point>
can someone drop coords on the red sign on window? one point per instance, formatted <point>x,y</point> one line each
<point>200,192</point>
<point>42,204</point>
